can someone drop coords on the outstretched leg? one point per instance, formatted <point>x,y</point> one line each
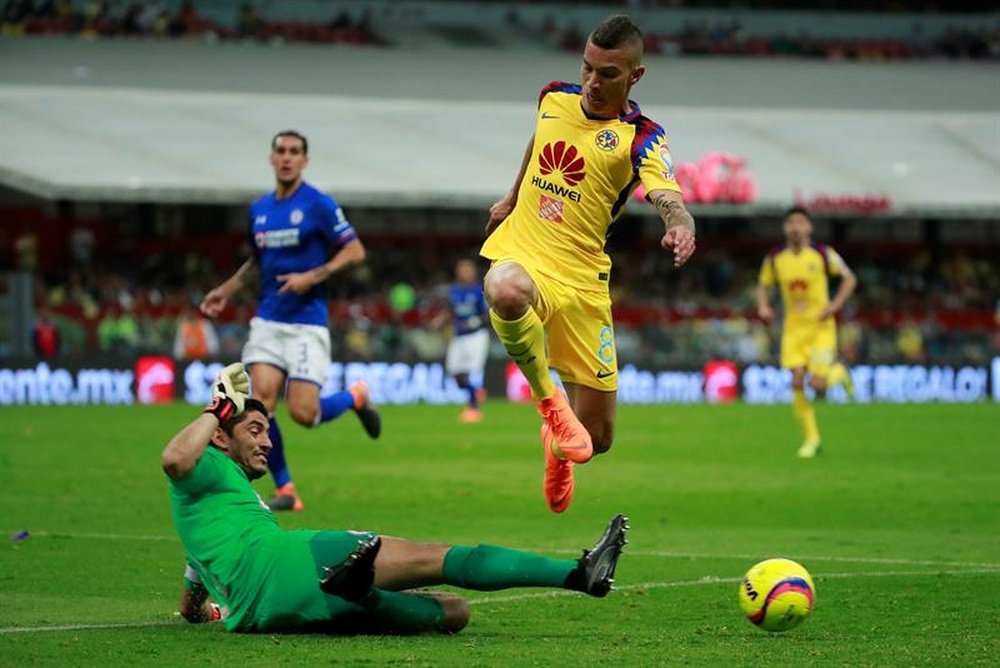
<point>396,564</point>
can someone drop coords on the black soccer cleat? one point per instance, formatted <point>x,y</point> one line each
<point>595,571</point>
<point>370,419</point>
<point>352,579</point>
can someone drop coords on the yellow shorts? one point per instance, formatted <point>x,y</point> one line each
<point>580,332</point>
<point>813,347</point>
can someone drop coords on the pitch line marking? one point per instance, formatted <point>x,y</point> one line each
<point>896,561</point>
<point>712,579</point>
<point>801,557</point>
<point>486,600</point>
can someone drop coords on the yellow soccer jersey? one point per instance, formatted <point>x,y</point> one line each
<point>580,175</point>
<point>803,278</point>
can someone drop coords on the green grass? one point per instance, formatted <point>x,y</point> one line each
<point>898,521</point>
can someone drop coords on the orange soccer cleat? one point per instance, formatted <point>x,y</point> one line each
<point>285,498</point>
<point>572,440</point>
<point>558,483</point>
<point>471,415</point>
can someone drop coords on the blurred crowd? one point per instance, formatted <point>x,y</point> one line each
<point>156,19</point>
<point>725,37</point>
<point>729,38</point>
<point>910,306</point>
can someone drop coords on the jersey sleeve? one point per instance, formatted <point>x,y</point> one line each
<point>206,474</point>
<point>651,157</point>
<point>251,242</point>
<point>767,277</point>
<point>834,263</point>
<point>334,223</point>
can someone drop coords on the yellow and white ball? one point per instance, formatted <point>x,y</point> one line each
<point>777,594</point>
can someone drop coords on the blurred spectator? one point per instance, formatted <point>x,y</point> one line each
<point>26,251</point>
<point>45,334</point>
<point>250,23</point>
<point>118,331</point>
<point>81,246</point>
<point>196,338</point>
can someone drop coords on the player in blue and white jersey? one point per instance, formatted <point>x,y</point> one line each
<point>470,342</point>
<point>299,237</point>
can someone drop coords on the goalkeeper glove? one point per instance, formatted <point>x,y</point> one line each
<point>229,392</point>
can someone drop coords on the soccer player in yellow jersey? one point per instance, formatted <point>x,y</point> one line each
<point>802,270</point>
<point>548,283</point>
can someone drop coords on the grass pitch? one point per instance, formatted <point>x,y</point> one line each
<point>898,522</point>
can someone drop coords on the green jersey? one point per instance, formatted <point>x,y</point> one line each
<point>222,522</point>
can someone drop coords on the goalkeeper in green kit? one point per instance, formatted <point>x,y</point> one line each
<point>264,579</point>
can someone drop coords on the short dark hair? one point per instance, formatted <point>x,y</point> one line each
<point>617,31</point>
<point>251,405</point>
<point>797,209</point>
<point>291,133</point>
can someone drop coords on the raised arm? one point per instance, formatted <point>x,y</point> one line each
<point>215,301</point>
<point>229,397</point>
<point>678,223</point>
<point>351,254</point>
<point>505,205</point>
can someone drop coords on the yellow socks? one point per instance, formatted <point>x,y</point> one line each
<point>806,415</point>
<point>524,340</point>
<point>837,375</point>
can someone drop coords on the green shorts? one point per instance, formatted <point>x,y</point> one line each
<point>290,565</point>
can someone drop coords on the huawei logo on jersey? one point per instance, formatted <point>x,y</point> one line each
<point>566,160</point>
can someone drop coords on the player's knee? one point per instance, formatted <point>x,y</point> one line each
<point>456,614</point>
<point>509,293</point>
<point>304,413</point>
<point>818,384</point>
<point>602,437</point>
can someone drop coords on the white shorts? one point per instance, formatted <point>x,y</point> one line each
<point>467,353</point>
<point>301,351</point>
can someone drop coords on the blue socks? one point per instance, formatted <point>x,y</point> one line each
<point>465,383</point>
<point>333,406</point>
<point>276,457</point>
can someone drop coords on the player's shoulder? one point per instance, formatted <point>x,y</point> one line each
<point>316,197</point>
<point>822,249</point>
<point>648,134</point>
<point>558,87</point>
<point>264,201</point>
<point>776,250</point>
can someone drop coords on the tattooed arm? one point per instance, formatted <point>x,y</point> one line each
<point>215,301</point>
<point>679,236</point>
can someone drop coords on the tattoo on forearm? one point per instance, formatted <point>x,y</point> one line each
<point>673,213</point>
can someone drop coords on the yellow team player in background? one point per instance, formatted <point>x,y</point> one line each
<point>802,270</point>
<point>548,282</point>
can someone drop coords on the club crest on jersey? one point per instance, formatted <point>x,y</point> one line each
<point>296,216</point>
<point>550,208</point>
<point>668,162</point>
<point>606,140</point>
<point>563,159</point>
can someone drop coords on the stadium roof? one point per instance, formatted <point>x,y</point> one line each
<point>118,141</point>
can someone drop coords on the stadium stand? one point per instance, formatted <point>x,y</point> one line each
<point>121,246</point>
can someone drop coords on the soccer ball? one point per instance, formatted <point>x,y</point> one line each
<point>777,594</point>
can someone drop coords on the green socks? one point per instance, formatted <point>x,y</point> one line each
<point>490,567</point>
